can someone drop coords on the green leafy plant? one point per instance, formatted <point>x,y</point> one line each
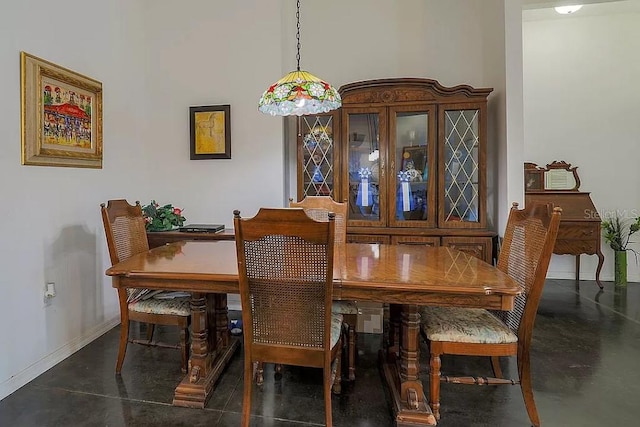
<point>618,230</point>
<point>162,218</point>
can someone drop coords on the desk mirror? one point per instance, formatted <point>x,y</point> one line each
<point>556,176</point>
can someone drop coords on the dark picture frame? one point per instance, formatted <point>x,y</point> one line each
<point>210,128</point>
<point>534,180</point>
<point>417,154</point>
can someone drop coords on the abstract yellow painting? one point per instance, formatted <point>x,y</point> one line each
<point>210,132</point>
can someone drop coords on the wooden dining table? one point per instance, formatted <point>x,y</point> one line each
<point>405,276</point>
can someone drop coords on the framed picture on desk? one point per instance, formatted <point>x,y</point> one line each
<point>533,180</point>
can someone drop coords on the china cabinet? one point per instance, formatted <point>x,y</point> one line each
<point>409,157</point>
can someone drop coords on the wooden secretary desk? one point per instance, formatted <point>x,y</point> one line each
<point>580,224</point>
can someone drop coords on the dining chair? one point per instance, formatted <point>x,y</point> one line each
<point>124,227</point>
<point>285,266</point>
<point>318,208</point>
<point>526,250</point>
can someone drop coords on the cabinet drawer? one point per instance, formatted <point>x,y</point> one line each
<point>578,231</point>
<point>575,247</point>
<point>367,238</point>
<point>415,240</point>
<point>479,247</point>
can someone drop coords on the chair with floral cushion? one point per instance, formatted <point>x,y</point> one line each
<point>527,246</point>
<point>285,266</point>
<point>124,228</point>
<point>318,208</point>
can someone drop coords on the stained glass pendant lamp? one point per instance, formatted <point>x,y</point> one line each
<point>299,92</point>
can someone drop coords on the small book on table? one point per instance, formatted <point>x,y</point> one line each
<point>202,228</point>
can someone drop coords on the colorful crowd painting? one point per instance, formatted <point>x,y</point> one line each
<point>66,117</point>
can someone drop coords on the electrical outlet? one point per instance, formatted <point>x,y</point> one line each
<point>50,290</point>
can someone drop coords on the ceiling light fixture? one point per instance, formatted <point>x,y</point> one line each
<point>299,92</point>
<point>564,10</point>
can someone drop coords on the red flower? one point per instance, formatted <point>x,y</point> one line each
<point>177,211</point>
<point>301,93</point>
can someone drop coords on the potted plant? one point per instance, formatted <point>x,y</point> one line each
<point>617,232</point>
<point>162,218</point>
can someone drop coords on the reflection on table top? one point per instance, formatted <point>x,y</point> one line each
<point>396,267</point>
<point>411,267</point>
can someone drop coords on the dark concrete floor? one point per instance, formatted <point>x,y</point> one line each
<point>585,356</point>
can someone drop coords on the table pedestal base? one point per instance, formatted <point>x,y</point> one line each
<point>403,415</point>
<point>196,394</point>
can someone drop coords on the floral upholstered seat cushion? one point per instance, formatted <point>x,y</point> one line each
<point>177,306</point>
<point>470,325</point>
<point>336,328</point>
<point>344,307</point>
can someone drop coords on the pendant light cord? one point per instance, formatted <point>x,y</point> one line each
<point>298,33</point>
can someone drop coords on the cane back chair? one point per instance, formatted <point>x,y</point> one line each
<point>285,266</point>
<point>318,208</point>
<point>527,246</point>
<point>124,227</point>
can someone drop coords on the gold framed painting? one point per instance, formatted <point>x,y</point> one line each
<point>210,132</point>
<point>61,115</point>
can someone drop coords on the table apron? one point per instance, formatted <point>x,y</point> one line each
<point>491,301</point>
<point>186,285</point>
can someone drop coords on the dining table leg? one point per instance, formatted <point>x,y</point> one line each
<point>402,374</point>
<point>211,349</point>
<point>393,342</point>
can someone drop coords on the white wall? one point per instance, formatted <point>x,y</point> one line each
<point>212,53</point>
<point>51,228</point>
<point>156,58</point>
<point>581,105</point>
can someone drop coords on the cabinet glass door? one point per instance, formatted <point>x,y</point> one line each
<point>365,162</point>
<point>316,154</point>
<point>461,158</point>
<point>411,178</point>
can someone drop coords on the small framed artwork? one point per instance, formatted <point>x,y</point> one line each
<point>414,157</point>
<point>533,180</point>
<point>61,115</point>
<point>210,132</point>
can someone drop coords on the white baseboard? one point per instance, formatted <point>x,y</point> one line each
<point>47,362</point>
